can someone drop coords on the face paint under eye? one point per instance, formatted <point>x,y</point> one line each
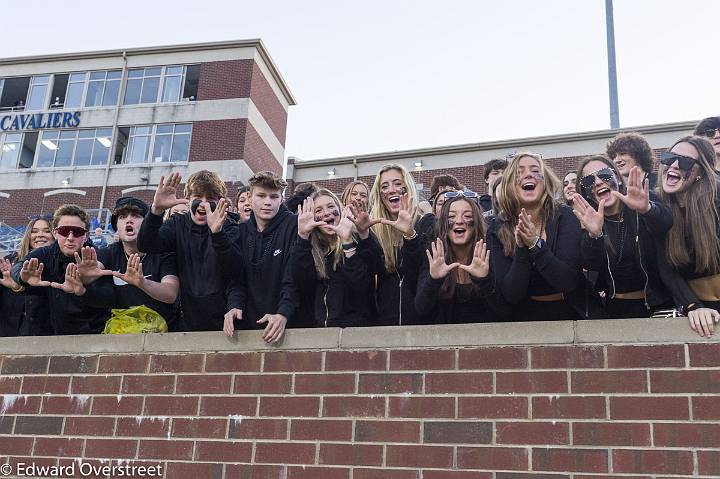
<point>196,204</point>
<point>467,222</point>
<point>533,174</point>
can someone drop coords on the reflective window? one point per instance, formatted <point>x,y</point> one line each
<point>76,85</point>
<point>166,142</point>
<point>38,93</point>
<point>139,144</point>
<point>9,150</point>
<point>161,84</point>
<point>74,147</point>
<point>14,93</point>
<point>103,88</point>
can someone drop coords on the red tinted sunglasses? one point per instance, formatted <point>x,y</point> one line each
<point>75,230</point>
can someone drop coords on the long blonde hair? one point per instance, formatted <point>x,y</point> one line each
<point>510,205</point>
<point>345,198</point>
<point>322,244</point>
<point>25,247</point>
<point>389,238</point>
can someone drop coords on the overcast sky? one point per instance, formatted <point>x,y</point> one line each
<point>376,76</point>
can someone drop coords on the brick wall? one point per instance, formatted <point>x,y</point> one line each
<point>414,402</point>
<point>268,104</point>
<point>226,79</point>
<point>218,139</point>
<point>257,155</point>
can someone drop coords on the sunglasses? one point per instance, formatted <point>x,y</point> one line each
<point>709,133</point>
<point>606,175</point>
<point>76,231</point>
<point>685,163</point>
<point>463,194</point>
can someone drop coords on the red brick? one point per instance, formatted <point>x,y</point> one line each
<point>351,454</point>
<point>45,384</point>
<point>16,446</point>
<point>569,407</point>
<point>422,407</point>
<point>218,140</point>
<point>709,463</point>
<point>188,470</point>
<point>535,382</point>
<point>704,355</point>
<point>219,451</point>
<point>532,433</point>
<point>142,426</point>
<point>111,448</point>
<point>268,104</point>
<point>635,408</point>
<point>423,359</point>
<point>222,80</point>
<point>355,361</point>
<point>419,456</point>
<point>24,365</point>
<point>38,425</point>
<point>263,384</point>
<point>232,362</point>
<point>493,358</point>
<point>251,471</point>
<point>492,458</point>
<point>459,383</point>
<point>144,384</point>
<point>248,428</point>
<point>227,406</point>
<point>73,364</point>
<point>89,426</point>
<point>171,405</point>
<point>658,356</point>
<point>611,434</point>
<point>608,382</point>
<point>58,446</point>
<point>199,427</point>
<point>316,473</point>
<point>652,461</point>
<point>508,407</point>
<point>203,384</point>
<point>385,473</point>
<point>570,460</point>
<point>324,383</point>
<point>117,405</point>
<point>14,404</point>
<point>290,406</point>
<point>95,385</point>
<point>129,363</point>
<point>176,363</point>
<point>387,431</point>
<point>389,383</point>
<point>686,435</point>
<point>163,450</point>
<point>705,407</point>
<point>353,406</point>
<point>541,475</point>
<point>10,385</point>
<point>79,404</point>
<point>284,453</point>
<point>567,357</point>
<point>430,474</point>
<point>321,430</point>
<point>692,381</point>
<point>290,361</point>
<point>455,432</point>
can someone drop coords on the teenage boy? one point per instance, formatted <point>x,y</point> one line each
<point>710,128</point>
<point>493,169</point>
<point>138,278</point>
<point>632,149</point>
<point>51,270</point>
<point>205,293</point>
<point>263,249</point>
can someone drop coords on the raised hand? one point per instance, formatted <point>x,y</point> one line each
<point>229,322</point>
<point>436,258</point>
<point>133,273</point>
<point>344,228</point>
<point>6,280</point>
<point>306,218</point>
<point>480,265</point>
<point>526,229</point>
<point>216,219</point>
<point>638,192</point>
<point>88,266</point>
<point>406,216</point>
<point>72,284</point>
<point>592,221</point>
<point>361,218</point>
<point>31,273</point>
<point>166,194</point>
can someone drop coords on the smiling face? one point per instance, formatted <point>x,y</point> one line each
<point>40,234</point>
<point>602,185</point>
<point>70,244</point>
<point>265,203</point>
<point>243,206</point>
<point>676,180</point>
<point>360,193</point>
<point>392,187</point>
<point>569,185</point>
<point>128,226</point>
<point>623,163</point>
<point>461,226</point>
<point>328,212</point>
<point>529,181</point>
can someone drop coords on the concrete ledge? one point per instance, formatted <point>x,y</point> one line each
<point>635,331</point>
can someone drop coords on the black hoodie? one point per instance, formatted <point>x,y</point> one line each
<point>205,293</point>
<point>262,262</point>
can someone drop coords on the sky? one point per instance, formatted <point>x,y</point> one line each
<point>379,76</point>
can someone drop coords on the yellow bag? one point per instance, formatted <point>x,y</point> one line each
<point>135,320</point>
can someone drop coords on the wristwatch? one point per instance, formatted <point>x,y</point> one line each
<point>539,244</point>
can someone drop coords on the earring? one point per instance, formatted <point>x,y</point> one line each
<point>697,179</point>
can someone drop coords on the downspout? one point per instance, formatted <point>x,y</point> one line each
<point>113,148</point>
<point>356,169</point>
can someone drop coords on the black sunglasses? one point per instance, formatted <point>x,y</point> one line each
<point>606,175</point>
<point>685,163</point>
<point>709,133</point>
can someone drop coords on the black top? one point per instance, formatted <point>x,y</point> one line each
<point>205,293</point>
<point>485,202</point>
<point>155,267</point>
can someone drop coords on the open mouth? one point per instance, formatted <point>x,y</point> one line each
<point>41,241</point>
<point>672,178</point>
<point>129,229</point>
<point>459,231</point>
<point>394,200</point>
<point>603,193</point>
<point>329,221</point>
<point>528,186</point>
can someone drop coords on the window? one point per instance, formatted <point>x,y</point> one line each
<point>192,79</point>
<point>57,96</point>
<point>14,93</point>
<point>75,87</point>
<point>74,147</point>
<point>161,84</point>
<point>168,143</point>
<point>103,88</point>
<point>37,98</point>
<point>9,150</point>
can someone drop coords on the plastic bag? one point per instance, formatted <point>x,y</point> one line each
<point>135,320</point>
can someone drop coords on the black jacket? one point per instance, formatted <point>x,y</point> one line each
<point>262,262</point>
<point>206,293</point>
<point>341,300</point>
<point>69,314</point>
<point>485,202</point>
<point>23,314</point>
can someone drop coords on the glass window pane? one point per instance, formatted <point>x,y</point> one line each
<point>140,145</point>
<point>121,145</point>
<point>68,135</point>
<point>51,135</point>
<point>47,152</point>
<point>83,152</point>
<point>150,90</point>
<point>181,148</point>
<point>173,70</point>
<point>63,156</point>
<point>112,89</point>
<point>114,75</point>
<point>97,76</point>
<point>38,93</point>
<point>152,72</point>
<point>135,73</point>
<point>94,93</point>
<point>27,155</point>
<point>132,92</point>
<point>104,132</point>
<point>161,152</point>
<point>77,77</point>
<point>184,128</point>
<point>161,129</point>
<point>40,80</point>
<point>171,89</point>
<point>101,151</point>
<point>142,130</point>
<point>74,95</point>
<point>10,151</point>
<point>86,133</point>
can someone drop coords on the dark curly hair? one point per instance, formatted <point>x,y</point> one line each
<point>635,145</point>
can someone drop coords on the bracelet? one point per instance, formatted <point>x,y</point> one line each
<point>350,250</point>
<point>602,234</point>
<point>534,244</point>
<point>411,237</point>
<point>349,246</point>
<point>690,307</point>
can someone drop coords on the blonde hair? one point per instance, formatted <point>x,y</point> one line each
<point>345,198</point>
<point>510,205</point>
<point>323,244</point>
<point>25,247</point>
<point>389,238</point>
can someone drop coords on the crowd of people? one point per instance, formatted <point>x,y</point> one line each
<point>622,236</point>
